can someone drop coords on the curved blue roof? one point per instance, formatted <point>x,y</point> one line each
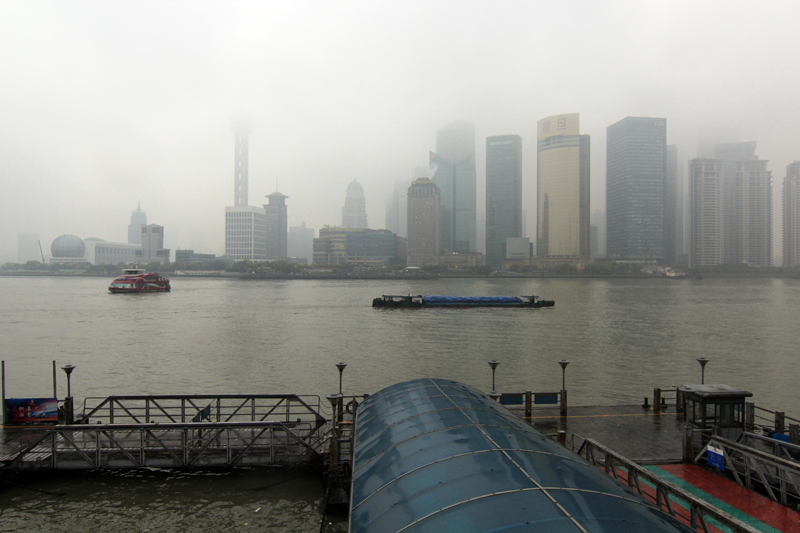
<point>435,455</point>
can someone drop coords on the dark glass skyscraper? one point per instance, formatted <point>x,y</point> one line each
<point>636,159</point>
<point>457,181</point>
<point>503,194</point>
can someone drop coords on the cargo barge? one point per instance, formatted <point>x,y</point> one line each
<point>432,300</point>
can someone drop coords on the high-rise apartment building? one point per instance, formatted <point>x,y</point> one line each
<point>276,227</point>
<point>673,208</point>
<point>563,191</point>
<point>636,165</point>
<point>153,244</point>
<point>300,243</point>
<point>752,216</point>
<point>138,219</point>
<point>453,171</point>
<point>730,154</point>
<point>791,216</point>
<point>354,212</point>
<point>707,208</point>
<point>423,223</point>
<point>397,207</point>
<point>503,195</point>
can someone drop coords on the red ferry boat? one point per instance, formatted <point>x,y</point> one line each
<point>136,280</point>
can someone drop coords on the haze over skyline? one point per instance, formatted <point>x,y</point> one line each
<point>105,104</point>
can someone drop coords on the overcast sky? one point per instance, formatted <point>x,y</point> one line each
<point>105,103</point>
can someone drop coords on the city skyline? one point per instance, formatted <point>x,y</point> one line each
<point>101,101</point>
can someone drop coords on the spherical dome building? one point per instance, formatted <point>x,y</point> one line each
<point>68,247</point>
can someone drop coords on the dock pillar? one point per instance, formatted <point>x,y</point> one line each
<point>562,437</point>
<point>657,399</point>
<point>563,402</point>
<point>750,415</point>
<point>780,424</point>
<point>528,405</point>
<point>69,413</point>
<point>794,433</point>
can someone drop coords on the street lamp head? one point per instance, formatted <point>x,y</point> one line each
<point>341,366</point>
<point>68,369</point>
<point>493,364</point>
<point>563,363</point>
<point>703,361</point>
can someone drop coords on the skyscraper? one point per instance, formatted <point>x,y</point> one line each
<point>138,219</point>
<point>563,191</point>
<point>276,226</point>
<point>354,212</point>
<point>503,194</point>
<point>300,243</point>
<point>455,157</point>
<point>791,216</point>
<point>153,244</point>
<point>730,154</point>
<point>423,223</point>
<point>752,213</point>
<point>673,207</point>
<point>441,173</point>
<point>707,200</point>
<point>636,165</point>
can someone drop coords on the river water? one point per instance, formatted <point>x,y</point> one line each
<point>623,337</point>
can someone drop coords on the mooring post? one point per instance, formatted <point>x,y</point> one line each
<point>562,437</point>
<point>750,415</point>
<point>528,405</point>
<point>657,399</point>
<point>780,417</point>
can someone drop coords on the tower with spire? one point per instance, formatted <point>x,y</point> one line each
<point>138,219</point>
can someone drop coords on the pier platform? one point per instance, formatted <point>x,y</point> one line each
<point>642,435</point>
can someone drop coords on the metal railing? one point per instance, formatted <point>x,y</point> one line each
<point>527,402</point>
<point>170,445</point>
<point>754,468</point>
<point>151,409</point>
<point>673,500</point>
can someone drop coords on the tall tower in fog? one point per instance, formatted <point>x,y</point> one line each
<point>457,180</point>
<point>245,226</point>
<point>277,226</point>
<point>636,166</point>
<point>241,131</point>
<point>354,212</point>
<point>503,194</point>
<point>562,175</point>
<point>791,216</point>
<point>707,199</point>
<point>423,223</point>
<point>138,219</point>
<point>673,207</point>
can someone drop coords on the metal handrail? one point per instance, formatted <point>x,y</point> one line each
<point>700,512</point>
<point>779,477</point>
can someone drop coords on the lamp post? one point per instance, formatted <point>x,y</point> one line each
<point>340,366</point>
<point>494,364</point>
<point>563,364</point>
<point>68,371</point>
<point>703,362</point>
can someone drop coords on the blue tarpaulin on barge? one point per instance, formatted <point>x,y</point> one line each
<point>434,455</point>
<point>433,299</point>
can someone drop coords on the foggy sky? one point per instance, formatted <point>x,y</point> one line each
<point>103,104</point>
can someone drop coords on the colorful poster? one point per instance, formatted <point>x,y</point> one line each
<point>31,410</point>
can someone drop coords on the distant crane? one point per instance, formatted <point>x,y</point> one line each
<point>40,250</point>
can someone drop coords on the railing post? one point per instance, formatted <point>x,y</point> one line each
<point>749,415</point>
<point>528,406</point>
<point>794,433</point>
<point>779,421</point>
<point>657,399</point>
<point>563,402</point>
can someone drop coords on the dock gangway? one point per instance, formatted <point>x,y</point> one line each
<point>180,431</point>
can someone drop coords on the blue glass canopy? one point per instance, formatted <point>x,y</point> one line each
<point>434,455</point>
